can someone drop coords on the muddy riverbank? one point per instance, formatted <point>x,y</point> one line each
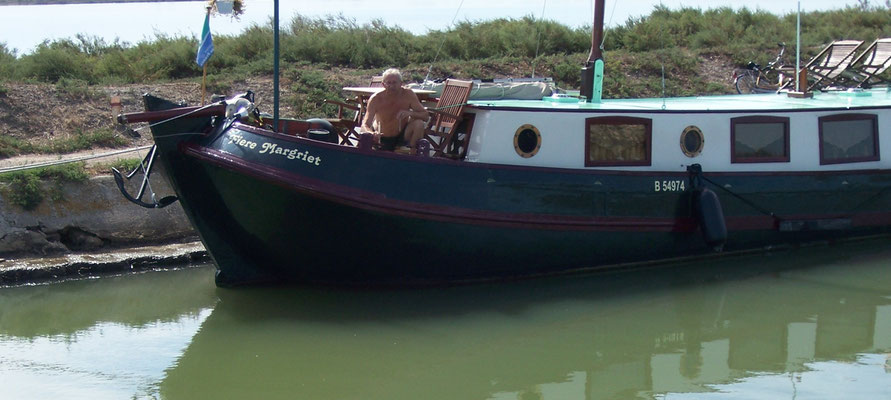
<point>88,227</point>
<point>88,216</point>
<point>34,269</point>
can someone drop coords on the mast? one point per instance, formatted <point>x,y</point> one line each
<point>588,71</point>
<point>275,66</point>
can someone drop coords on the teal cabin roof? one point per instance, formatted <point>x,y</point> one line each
<point>772,102</point>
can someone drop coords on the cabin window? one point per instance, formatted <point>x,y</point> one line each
<point>527,141</point>
<point>847,138</point>
<point>759,139</point>
<point>616,141</point>
<point>692,141</point>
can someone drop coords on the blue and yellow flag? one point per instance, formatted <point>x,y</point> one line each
<point>205,47</point>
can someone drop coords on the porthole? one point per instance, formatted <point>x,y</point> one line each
<point>692,141</point>
<point>527,141</point>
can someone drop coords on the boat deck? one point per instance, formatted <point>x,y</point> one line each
<point>751,102</point>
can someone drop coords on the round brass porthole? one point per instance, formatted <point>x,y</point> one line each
<point>692,141</point>
<point>527,141</point>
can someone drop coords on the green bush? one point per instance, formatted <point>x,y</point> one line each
<point>310,91</point>
<point>338,41</point>
<point>166,58</point>
<point>52,61</point>
<point>525,37</point>
<point>71,172</point>
<point>7,62</point>
<point>10,146</point>
<point>83,141</point>
<point>25,188</point>
<point>116,67</point>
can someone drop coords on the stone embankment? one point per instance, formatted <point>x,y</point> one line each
<point>90,228</point>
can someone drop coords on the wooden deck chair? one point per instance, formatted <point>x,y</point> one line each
<point>446,116</point>
<point>347,126</point>
<point>827,66</point>
<point>869,65</point>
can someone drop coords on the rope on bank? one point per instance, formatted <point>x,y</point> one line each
<point>70,160</point>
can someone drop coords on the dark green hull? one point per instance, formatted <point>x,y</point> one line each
<point>309,211</point>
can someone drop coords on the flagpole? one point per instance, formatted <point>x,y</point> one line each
<point>204,75</point>
<point>275,67</point>
<point>204,86</point>
<point>798,51</point>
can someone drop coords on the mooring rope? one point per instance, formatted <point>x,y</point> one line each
<point>447,107</point>
<point>112,153</point>
<point>70,160</point>
<point>741,198</point>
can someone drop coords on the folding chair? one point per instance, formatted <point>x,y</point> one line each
<point>347,126</point>
<point>446,116</point>
<point>827,66</point>
<point>870,64</point>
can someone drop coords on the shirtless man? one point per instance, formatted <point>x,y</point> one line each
<point>396,112</point>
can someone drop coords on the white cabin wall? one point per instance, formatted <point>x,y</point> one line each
<point>563,141</point>
<point>492,140</point>
<point>667,154</point>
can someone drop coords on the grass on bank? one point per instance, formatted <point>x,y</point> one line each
<point>125,165</point>
<point>28,188</point>
<point>337,41</point>
<point>11,146</point>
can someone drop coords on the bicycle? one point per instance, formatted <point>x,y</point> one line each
<point>769,79</point>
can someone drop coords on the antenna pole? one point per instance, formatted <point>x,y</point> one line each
<point>798,49</point>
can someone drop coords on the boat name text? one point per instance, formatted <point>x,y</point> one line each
<point>272,148</point>
<point>670,186</point>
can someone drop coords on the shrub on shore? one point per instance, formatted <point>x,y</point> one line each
<point>26,190</point>
<point>342,42</point>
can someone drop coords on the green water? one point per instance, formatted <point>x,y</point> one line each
<point>811,323</point>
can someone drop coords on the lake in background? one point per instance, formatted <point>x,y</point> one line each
<point>809,323</point>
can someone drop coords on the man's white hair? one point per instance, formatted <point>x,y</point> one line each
<point>392,71</point>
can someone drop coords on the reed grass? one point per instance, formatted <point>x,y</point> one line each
<point>340,41</point>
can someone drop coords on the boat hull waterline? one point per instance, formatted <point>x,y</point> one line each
<point>270,206</point>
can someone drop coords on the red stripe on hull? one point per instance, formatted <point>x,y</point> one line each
<point>377,202</point>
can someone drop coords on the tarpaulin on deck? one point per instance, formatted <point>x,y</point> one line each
<point>498,90</point>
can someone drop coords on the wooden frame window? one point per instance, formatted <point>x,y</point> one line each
<point>618,141</point>
<point>849,138</point>
<point>759,139</point>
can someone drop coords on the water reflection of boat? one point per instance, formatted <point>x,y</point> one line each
<point>625,335</point>
<point>524,187</point>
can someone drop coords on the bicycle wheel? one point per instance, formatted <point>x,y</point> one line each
<point>745,82</point>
